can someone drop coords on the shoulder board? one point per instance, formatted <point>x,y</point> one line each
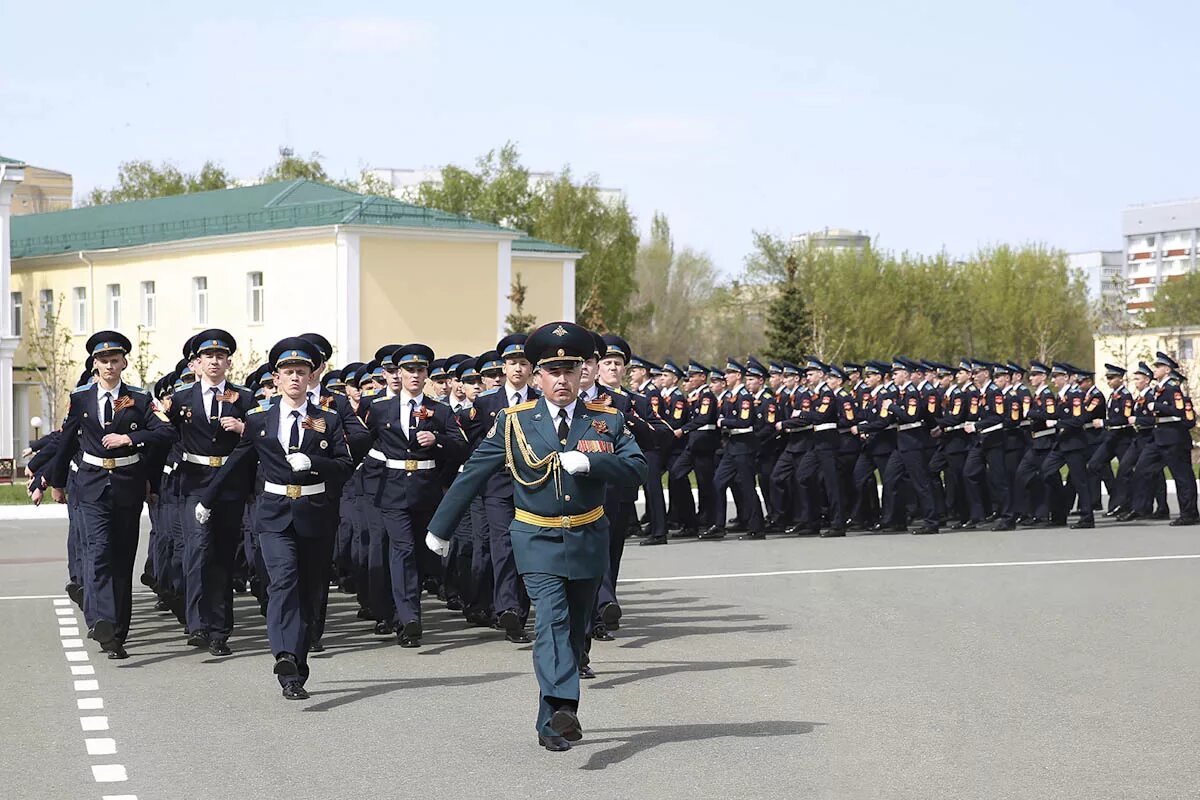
<point>618,390</point>
<point>371,393</point>
<point>258,410</point>
<point>83,388</point>
<point>489,391</point>
<point>528,404</point>
<point>600,408</point>
<point>379,400</point>
<point>137,389</point>
<point>235,387</point>
<point>768,393</point>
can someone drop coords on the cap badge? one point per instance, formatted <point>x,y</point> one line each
<point>559,331</point>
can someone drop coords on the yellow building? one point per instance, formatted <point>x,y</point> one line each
<point>1127,348</point>
<point>269,261</point>
<point>42,190</point>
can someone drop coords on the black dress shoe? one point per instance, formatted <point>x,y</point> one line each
<point>600,633</point>
<point>517,637</point>
<point>565,723</point>
<point>650,541</point>
<point>478,619</point>
<point>162,607</point>
<point>1128,516</point>
<point>924,530</point>
<point>753,536</point>
<point>969,525</point>
<point>454,604</point>
<point>1163,514</point>
<point>1005,525</point>
<point>431,585</point>
<point>1182,521</point>
<point>610,615</point>
<point>294,691</point>
<point>217,647</point>
<point>116,651</point>
<point>1032,522</point>
<point>712,534</point>
<point>409,635</point>
<point>364,614</point>
<point>735,527</point>
<point>510,620</point>
<point>198,640</point>
<point>75,592</point>
<point>1116,511</point>
<point>555,744</point>
<point>832,533</point>
<point>285,665</point>
<point>103,632</point>
<point>384,628</point>
<point>1083,523</point>
<point>316,647</point>
<point>586,673</point>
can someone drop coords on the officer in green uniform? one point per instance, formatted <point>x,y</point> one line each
<point>562,455</point>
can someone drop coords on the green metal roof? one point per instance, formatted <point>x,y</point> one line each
<point>528,244</point>
<point>249,209</point>
<point>4,160</point>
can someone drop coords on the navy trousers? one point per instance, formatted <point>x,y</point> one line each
<point>508,593</point>
<point>406,529</point>
<point>208,557</point>
<point>110,541</point>
<point>298,567</point>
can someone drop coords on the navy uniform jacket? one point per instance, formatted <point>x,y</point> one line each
<point>1071,421</point>
<point>847,418</point>
<point>644,407</point>
<point>1170,409</point>
<point>615,459</point>
<point>953,415</point>
<point>796,429</point>
<point>1120,409</point>
<point>878,429</point>
<point>328,451</point>
<point>357,436</point>
<point>910,410</point>
<point>767,413</point>
<point>822,410</point>
<point>421,488</point>
<point>82,431</point>
<point>700,431</point>
<point>738,414</point>
<point>189,413</point>
<point>1043,417</point>
<point>1093,408</point>
<point>987,406</point>
<point>488,406</point>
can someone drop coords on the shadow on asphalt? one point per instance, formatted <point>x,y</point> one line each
<point>628,742</point>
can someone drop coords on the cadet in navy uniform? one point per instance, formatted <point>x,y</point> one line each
<point>1117,435</point>
<point>110,424</point>
<point>304,458</point>
<point>983,470</point>
<point>415,437</point>
<point>1173,419</point>
<point>911,409</point>
<point>510,600</point>
<point>1070,448</point>
<point>209,419</point>
<point>561,456</point>
<point>738,422</point>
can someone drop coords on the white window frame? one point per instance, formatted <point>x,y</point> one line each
<point>112,295</point>
<point>200,300</point>
<point>79,306</point>
<point>45,308</point>
<point>18,312</point>
<point>149,314</point>
<point>254,293</point>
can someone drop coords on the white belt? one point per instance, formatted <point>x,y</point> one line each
<point>908,426</point>
<point>825,426</point>
<point>705,428</point>
<point>738,431</point>
<point>1040,434</point>
<point>410,464</point>
<point>74,467</point>
<point>168,469</point>
<point>111,463</point>
<point>957,427</point>
<point>1025,423</point>
<point>1117,427</point>
<point>292,490</point>
<point>205,461</point>
<point>991,429</point>
<point>1161,420</point>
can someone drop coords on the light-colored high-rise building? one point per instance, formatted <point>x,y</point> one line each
<point>836,239</point>
<point>1160,246</point>
<point>1103,273</point>
<point>406,181</point>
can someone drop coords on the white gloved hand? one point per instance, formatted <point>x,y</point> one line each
<point>575,462</point>
<point>439,546</point>
<point>299,462</point>
<point>202,513</point>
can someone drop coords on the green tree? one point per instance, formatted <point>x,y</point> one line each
<point>141,180</point>
<point>562,210</point>
<point>517,320</point>
<point>1176,304</point>
<point>789,325</point>
<point>291,167</point>
<point>673,288</point>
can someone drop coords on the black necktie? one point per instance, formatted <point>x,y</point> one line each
<point>516,398</point>
<point>412,420</point>
<point>108,408</point>
<point>563,428</point>
<point>215,413</point>
<point>294,437</point>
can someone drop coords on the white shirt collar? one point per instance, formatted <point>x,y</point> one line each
<point>405,397</point>
<point>286,407</point>
<point>207,387</point>
<point>555,408</point>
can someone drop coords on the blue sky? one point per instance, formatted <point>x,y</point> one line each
<point>928,124</point>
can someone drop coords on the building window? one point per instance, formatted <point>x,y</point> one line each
<point>254,296</point>
<point>200,301</point>
<point>45,308</point>
<point>114,306</point>
<point>18,304</point>
<point>1185,350</point>
<point>79,304</point>
<point>149,306</point>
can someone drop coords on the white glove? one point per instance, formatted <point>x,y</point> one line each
<point>575,462</point>
<point>202,513</point>
<point>439,546</point>
<point>299,462</point>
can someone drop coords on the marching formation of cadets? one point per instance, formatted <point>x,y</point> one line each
<point>352,463</point>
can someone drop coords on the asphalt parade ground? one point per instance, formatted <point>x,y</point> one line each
<point>1025,664</point>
